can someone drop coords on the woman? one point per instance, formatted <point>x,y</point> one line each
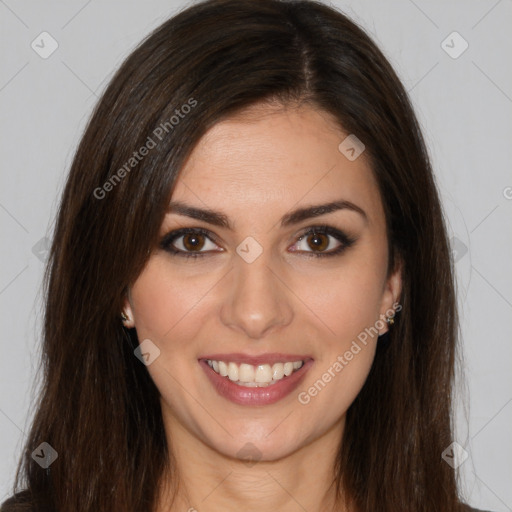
<point>249,297</point>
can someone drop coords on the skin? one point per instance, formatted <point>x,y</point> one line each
<point>255,168</point>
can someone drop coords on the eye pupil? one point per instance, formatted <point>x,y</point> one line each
<point>192,241</point>
<point>316,239</point>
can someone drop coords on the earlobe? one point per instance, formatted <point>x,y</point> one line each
<point>127,314</point>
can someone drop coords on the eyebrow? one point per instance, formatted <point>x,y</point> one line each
<point>291,218</point>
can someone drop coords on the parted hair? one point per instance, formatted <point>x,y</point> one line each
<point>97,406</point>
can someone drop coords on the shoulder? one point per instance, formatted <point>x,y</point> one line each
<point>466,508</point>
<point>20,502</point>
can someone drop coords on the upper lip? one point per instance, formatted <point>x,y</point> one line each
<point>256,360</point>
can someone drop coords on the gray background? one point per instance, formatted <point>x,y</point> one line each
<point>464,105</point>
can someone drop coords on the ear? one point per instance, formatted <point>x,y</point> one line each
<point>391,295</point>
<point>128,312</point>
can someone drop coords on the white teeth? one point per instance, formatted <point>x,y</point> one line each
<point>278,371</point>
<point>246,373</point>
<point>254,376</point>
<point>223,368</point>
<point>233,371</point>
<point>263,373</point>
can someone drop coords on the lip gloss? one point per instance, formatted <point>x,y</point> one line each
<point>244,395</point>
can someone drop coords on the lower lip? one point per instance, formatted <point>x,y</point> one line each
<point>255,396</point>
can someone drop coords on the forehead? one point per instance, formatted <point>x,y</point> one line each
<point>278,157</point>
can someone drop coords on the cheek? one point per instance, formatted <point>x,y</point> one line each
<point>345,300</point>
<point>334,386</point>
<point>344,305</point>
<point>163,301</point>
<point>346,318</point>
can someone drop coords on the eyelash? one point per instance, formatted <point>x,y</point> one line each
<point>346,240</point>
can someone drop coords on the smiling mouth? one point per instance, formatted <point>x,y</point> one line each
<point>249,375</point>
<point>260,384</point>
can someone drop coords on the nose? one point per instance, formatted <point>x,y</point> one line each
<point>257,300</point>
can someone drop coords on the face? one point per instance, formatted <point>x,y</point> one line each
<point>259,284</point>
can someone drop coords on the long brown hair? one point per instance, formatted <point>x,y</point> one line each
<point>98,407</point>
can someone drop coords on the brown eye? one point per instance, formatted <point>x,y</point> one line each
<point>193,241</point>
<point>318,241</point>
<point>323,241</point>
<point>189,242</point>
